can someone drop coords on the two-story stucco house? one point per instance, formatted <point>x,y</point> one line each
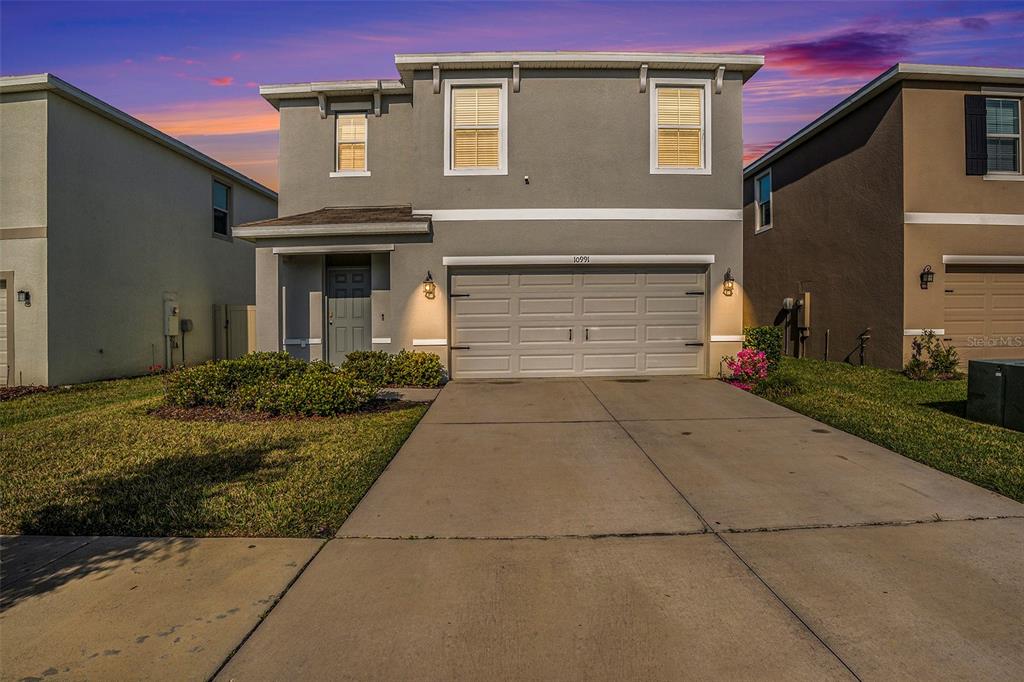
<point>111,234</point>
<point>901,209</point>
<point>518,213</point>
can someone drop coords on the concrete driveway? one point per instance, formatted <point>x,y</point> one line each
<point>657,529</point>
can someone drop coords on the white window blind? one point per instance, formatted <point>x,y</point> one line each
<point>351,136</point>
<point>476,127</point>
<point>680,123</point>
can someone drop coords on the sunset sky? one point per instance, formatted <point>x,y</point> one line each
<point>192,69</point>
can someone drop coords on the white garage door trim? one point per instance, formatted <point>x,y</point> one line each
<point>982,260</point>
<point>577,320</point>
<point>581,259</point>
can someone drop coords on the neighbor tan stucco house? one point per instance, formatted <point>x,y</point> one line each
<point>111,234</point>
<point>517,213</point>
<point>901,209</point>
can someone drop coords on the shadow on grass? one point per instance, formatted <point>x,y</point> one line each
<point>957,408</point>
<point>163,498</point>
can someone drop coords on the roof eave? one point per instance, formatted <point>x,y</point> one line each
<point>274,93</point>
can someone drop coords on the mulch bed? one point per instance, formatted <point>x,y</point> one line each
<point>14,392</point>
<point>205,413</point>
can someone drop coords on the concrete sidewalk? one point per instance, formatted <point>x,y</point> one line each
<point>655,529</point>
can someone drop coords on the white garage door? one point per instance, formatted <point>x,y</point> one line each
<point>984,309</point>
<point>548,321</point>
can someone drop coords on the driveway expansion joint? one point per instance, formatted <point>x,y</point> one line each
<point>569,536</point>
<point>866,524</point>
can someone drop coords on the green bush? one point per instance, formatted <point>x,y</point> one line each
<point>275,383</point>
<point>765,339</point>
<point>932,359</point>
<point>412,368</point>
<point>407,368</point>
<point>372,366</point>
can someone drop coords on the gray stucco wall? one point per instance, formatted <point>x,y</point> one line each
<point>582,140</point>
<point>23,211</point>
<point>837,232</point>
<point>129,220</point>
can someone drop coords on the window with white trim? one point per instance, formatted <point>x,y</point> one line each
<point>763,201</point>
<point>350,136</point>
<point>475,127</point>
<point>680,139</point>
<point>1002,134</point>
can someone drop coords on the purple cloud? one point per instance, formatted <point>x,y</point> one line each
<point>840,54</point>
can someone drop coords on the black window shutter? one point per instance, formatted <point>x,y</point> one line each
<point>974,130</point>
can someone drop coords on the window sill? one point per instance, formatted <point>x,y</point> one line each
<point>350,174</point>
<point>475,171</point>
<point>225,237</point>
<point>680,171</point>
<point>1004,176</point>
<point>764,228</point>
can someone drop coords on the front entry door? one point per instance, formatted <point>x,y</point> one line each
<point>348,312</point>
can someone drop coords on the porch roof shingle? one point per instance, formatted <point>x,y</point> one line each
<point>339,221</point>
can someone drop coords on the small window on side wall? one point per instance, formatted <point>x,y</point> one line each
<point>763,201</point>
<point>351,144</point>
<point>221,208</point>
<point>1002,134</point>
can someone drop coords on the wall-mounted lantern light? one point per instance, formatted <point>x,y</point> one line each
<point>25,297</point>
<point>729,284</point>
<point>429,287</point>
<point>927,276</point>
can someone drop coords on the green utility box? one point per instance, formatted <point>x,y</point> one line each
<point>995,392</point>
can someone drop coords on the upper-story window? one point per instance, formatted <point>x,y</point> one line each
<point>350,138</point>
<point>221,208</point>
<point>475,133</point>
<point>763,201</point>
<point>1002,134</point>
<point>680,135</point>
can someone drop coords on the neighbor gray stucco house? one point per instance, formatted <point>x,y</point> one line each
<point>111,234</point>
<point>517,213</point>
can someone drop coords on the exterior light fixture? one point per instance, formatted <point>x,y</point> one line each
<point>729,283</point>
<point>25,297</point>
<point>927,276</point>
<point>429,287</point>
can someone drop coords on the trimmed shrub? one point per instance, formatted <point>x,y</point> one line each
<point>768,340</point>
<point>407,368</point>
<point>372,366</point>
<point>275,383</point>
<point>414,368</point>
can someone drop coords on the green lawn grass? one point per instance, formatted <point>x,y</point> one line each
<point>92,460</point>
<point>919,419</point>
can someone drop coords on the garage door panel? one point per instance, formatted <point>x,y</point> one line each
<point>481,307</point>
<point>546,363</point>
<point>553,279</point>
<point>611,334</point>
<point>482,336</point>
<point>984,313</point>
<point>545,306</point>
<point>559,334</point>
<point>578,321</point>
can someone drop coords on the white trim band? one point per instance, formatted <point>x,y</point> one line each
<point>430,342</point>
<point>983,260</point>
<point>696,214</point>
<point>963,218</point>
<point>302,342</point>
<point>920,332</point>
<point>727,337</point>
<point>582,260</point>
<point>357,248</point>
<point>381,339</point>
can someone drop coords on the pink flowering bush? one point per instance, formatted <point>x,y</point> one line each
<point>749,368</point>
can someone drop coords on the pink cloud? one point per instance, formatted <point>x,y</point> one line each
<point>854,53</point>
<point>218,117</point>
<point>221,81</point>
<point>755,150</point>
